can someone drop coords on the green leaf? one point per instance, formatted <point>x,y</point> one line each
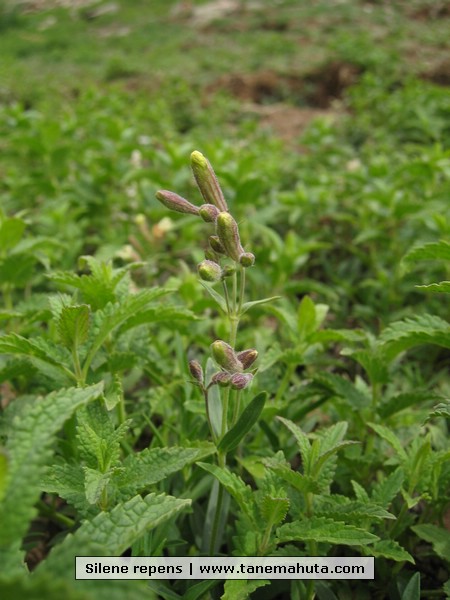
<point>247,419</point>
<point>240,589</point>
<point>234,485</point>
<point>248,305</point>
<point>28,448</point>
<point>68,481</point>
<point>273,510</point>
<point>425,329</point>
<point>11,232</point>
<point>4,471</point>
<point>111,533</point>
<point>440,410</point>
<point>386,490</point>
<point>215,295</point>
<point>17,269</point>
<point>391,550</point>
<point>73,325</point>
<point>350,511</point>
<point>397,403</point>
<point>320,529</point>
<point>35,351</point>
<point>155,464</point>
<point>95,484</point>
<point>431,251</point>
<point>412,590</point>
<point>390,437</point>
<point>443,287</point>
<point>306,318</point>
<point>302,483</point>
<point>343,388</point>
<point>439,538</point>
<point>302,440</point>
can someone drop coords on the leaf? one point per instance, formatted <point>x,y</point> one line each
<point>215,295</point>
<point>234,485</point>
<point>17,269</point>
<point>67,480</point>
<point>155,464</point>
<point>390,437</point>
<point>391,550</point>
<point>412,590</point>
<point>35,351</point>
<point>320,529</point>
<point>425,329</point>
<point>440,410</point>
<point>111,533</point>
<point>431,251</point>
<point>443,287</point>
<point>248,305</point>
<point>247,419</point>
<point>4,472</point>
<point>302,440</point>
<point>306,318</point>
<point>95,484</point>
<point>28,448</point>
<point>385,491</point>
<point>240,589</point>
<point>350,511</point>
<point>73,325</point>
<point>273,510</point>
<point>11,232</point>
<point>360,492</point>
<point>343,388</point>
<point>158,314</point>
<point>439,538</point>
<point>397,403</point>
<point>302,483</point>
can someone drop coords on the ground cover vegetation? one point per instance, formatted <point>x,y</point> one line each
<point>224,276</point>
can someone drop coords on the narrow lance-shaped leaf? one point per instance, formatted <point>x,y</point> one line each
<point>248,418</point>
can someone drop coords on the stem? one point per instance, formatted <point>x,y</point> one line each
<point>225,401</point>
<point>284,382</point>
<point>77,366</point>
<point>51,513</point>
<point>221,459</point>
<point>312,545</point>
<point>241,290</point>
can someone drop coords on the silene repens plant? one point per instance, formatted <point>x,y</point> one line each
<point>230,370</point>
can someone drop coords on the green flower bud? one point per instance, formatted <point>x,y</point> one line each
<point>228,232</point>
<point>228,271</point>
<point>225,357</point>
<point>216,244</point>
<point>208,212</point>
<point>221,378</point>
<point>196,370</point>
<point>209,270</point>
<point>247,357</point>
<point>240,381</point>
<point>207,181</point>
<point>175,202</point>
<point>247,259</point>
<point>210,255</point>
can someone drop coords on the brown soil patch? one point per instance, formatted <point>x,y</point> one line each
<point>436,10</point>
<point>440,74</point>
<point>317,89</point>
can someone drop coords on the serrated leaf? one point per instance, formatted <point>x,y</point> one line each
<point>404,400</point>
<point>352,512</point>
<point>240,589</point>
<point>320,529</point>
<point>306,318</point>
<point>95,484</point>
<point>248,305</point>
<point>302,439</point>
<point>425,329</point>
<point>390,437</point>
<point>234,485</point>
<point>73,325</point>
<point>158,314</point>
<point>67,481</point>
<point>391,550</point>
<point>273,510</point>
<point>247,419</point>
<point>439,538</point>
<point>440,410</point>
<point>360,492</point>
<point>111,533</point>
<point>28,448</point>
<point>385,491</point>
<point>155,464</point>
<point>302,483</point>
<point>431,251</point>
<point>35,351</point>
<point>343,388</point>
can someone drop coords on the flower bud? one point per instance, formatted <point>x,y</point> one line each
<point>210,255</point>
<point>228,232</point>
<point>225,357</point>
<point>208,212</point>
<point>228,271</point>
<point>209,270</point>
<point>216,244</point>
<point>196,370</point>
<point>247,357</point>
<point>175,202</point>
<point>247,259</point>
<point>240,381</point>
<point>207,181</point>
<point>221,378</point>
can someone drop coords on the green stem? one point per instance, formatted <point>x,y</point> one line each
<point>241,290</point>
<point>284,382</point>
<point>225,401</point>
<point>77,367</point>
<point>221,459</point>
<point>55,516</point>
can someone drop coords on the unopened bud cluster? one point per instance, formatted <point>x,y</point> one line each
<point>233,364</point>
<point>227,241</point>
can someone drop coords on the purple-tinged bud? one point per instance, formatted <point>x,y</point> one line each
<point>228,271</point>
<point>247,259</point>
<point>216,244</point>
<point>209,270</point>
<point>175,202</point>
<point>207,181</point>
<point>247,357</point>
<point>240,381</point>
<point>228,232</point>
<point>208,212</point>
<point>221,378</point>
<point>226,357</point>
<point>196,370</point>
